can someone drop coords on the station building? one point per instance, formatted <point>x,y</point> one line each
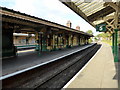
<point>20,39</point>
<point>23,39</point>
<point>48,35</point>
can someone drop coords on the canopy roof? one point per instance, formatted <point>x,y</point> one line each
<point>96,12</point>
<point>26,23</point>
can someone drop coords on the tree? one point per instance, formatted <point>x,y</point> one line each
<point>90,32</point>
<point>106,36</point>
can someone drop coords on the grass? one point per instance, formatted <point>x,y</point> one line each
<point>108,42</point>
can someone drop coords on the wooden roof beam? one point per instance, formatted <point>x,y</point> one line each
<point>101,14</point>
<point>73,7</point>
<point>90,5</point>
<point>113,5</point>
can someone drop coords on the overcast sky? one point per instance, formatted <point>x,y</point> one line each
<point>52,10</point>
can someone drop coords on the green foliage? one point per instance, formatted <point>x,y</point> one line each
<point>106,36</point>
<point>95,38</point>
<point>90,40</point>
<point>90,32</point>
<point>108,42</point>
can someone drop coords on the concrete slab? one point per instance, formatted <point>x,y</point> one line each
<point>99,73</point>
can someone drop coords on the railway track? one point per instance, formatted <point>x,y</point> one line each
<point>52,75</point>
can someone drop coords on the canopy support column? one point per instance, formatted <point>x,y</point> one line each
<point>116,46</point>
<point>113,40</point>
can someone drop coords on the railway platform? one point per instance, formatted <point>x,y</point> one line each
<point>30,60</point>
<point>99,72</point>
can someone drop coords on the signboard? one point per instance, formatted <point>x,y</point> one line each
<point>101,27</point>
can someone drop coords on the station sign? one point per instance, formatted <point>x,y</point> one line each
<point>101,27</point>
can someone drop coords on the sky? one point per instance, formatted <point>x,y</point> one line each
<point>52,10</point>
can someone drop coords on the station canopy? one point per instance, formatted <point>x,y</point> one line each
<point>97,12</point>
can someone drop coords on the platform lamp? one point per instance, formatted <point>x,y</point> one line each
<point>40,41</point>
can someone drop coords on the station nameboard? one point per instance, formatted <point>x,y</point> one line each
<point>101,27</point>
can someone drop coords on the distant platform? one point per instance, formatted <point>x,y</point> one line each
<point>99,72</point>
<point>30,59</point>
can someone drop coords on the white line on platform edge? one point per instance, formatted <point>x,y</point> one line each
<point>81,70</point>
<point>27,69</point>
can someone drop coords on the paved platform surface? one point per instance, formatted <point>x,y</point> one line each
<point>100,72</point>
<point>29,59</point>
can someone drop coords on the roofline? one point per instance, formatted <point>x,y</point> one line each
<point>77,11</point>
<point>74,30</point>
